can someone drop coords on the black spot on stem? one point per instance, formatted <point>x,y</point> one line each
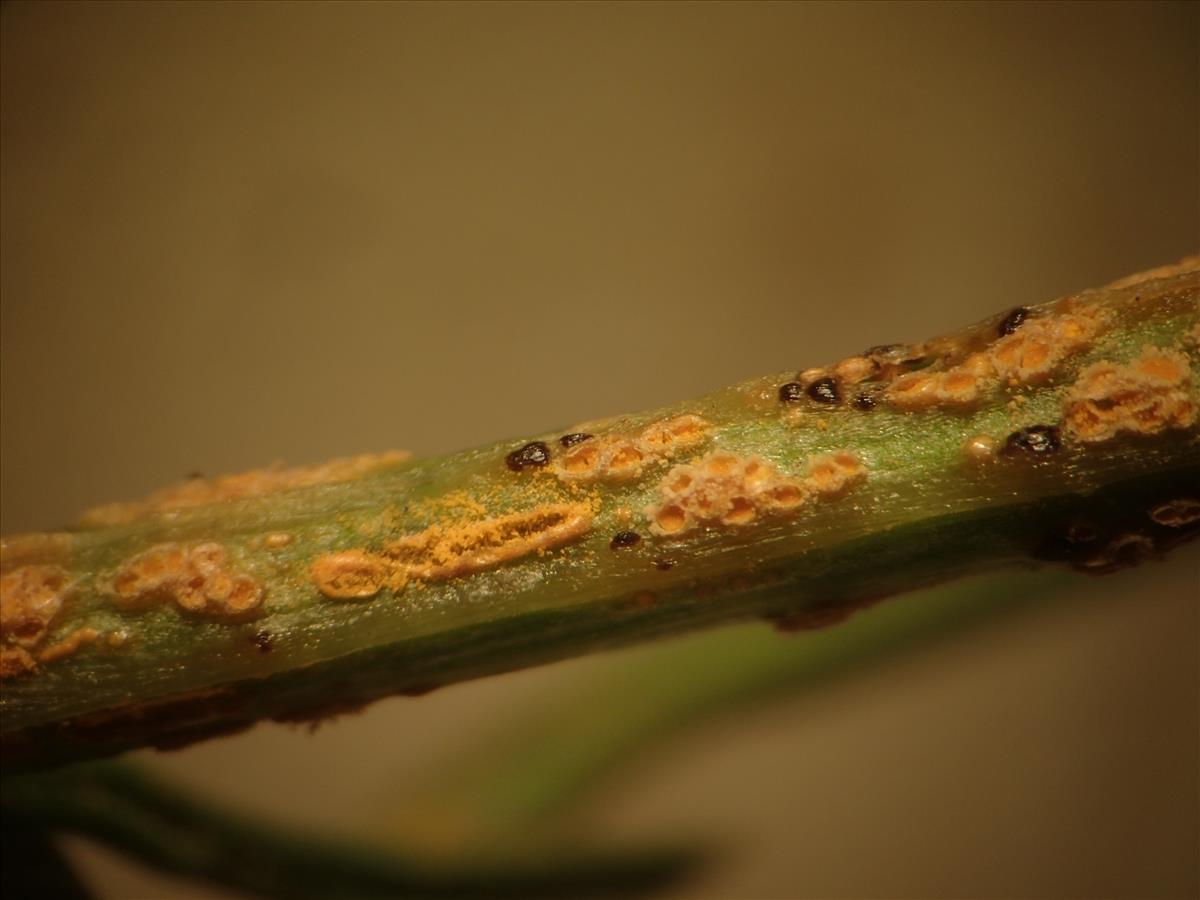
<point>531,456</point>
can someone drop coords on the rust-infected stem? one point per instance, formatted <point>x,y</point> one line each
<point>1063,431</point>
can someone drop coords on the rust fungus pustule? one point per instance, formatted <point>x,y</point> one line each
<point>349,575</point>
<point>31,598</point>
<point>730,490</point>
<point>1148,395</point>
<point>449,550</point>
<point>832,474</point>
<point>855,369</point>
<point>201,491</point>
<point>623,457</point>
<point>446,551</point>
<point>69,645</point>
<point>534,455</point>
<point>1024,355</point>
<point>196,579</point>
<point>721,488</point>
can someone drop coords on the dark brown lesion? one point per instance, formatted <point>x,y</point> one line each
<point>1012,321</point>
<point>825,391</point>
<point>623,540</point>
<point>1115,537</point>
<point>534,455</point>
<point>1036,440</point>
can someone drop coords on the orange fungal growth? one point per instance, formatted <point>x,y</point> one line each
<point>1025,353</point>
<point>724,488</point>
<point>195,578</point>
<point>832,474</point>
<point>674,434</point>
<point>921,390</point>
<point>349,575</point>
<point>1148,395</point>
<point>255,483</point>
<point>69,645</point>
<point>624,457</point>
<point>855,369</point>
<point>30,598</point>
<point>449,550</point>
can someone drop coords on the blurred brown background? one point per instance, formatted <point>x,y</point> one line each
<point>238,233</point>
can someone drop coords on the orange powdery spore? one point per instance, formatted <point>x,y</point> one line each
<point>255,483</point>
<point>1148,395</point>
<point>729,490</point>
<point>1028,355</point>
<point>449,550</point>
<point>617,457</point>
<point>197,579</point>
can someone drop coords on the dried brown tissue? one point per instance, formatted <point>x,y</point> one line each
<point>727,489</point>
<point>449,550</point>
<point>255,483</point>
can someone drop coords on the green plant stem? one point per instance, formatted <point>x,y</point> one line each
<point>927,512</point>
